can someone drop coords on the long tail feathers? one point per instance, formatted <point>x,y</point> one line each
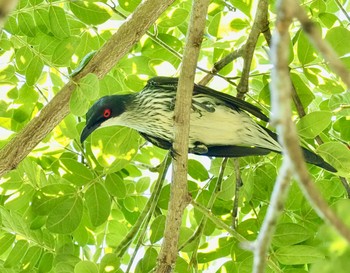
<point>312,158</point>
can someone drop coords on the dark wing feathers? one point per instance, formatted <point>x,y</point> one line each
<point>232,102</point>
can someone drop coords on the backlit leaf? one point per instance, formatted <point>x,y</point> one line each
<point>90,12</point>
<point>98,203</point>
<point>58,22</point>
<point>66,217</point>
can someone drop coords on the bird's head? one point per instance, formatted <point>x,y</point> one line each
<point>103,113</point>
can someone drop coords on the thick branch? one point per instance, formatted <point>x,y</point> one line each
<point>179,197</point>
<point>51,115</point>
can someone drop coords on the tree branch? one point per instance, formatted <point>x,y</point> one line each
<point>51,115</point>
<point>179,197</point>
<point>260,25</point>
<point>321,44</point>
<point>6,6</point>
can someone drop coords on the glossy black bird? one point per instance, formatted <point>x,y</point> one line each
<point>220,125</point>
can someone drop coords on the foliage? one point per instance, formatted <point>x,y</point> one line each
<point>68,208</point>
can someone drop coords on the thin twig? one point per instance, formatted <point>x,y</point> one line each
<point>218,222</point>
<point>216,192</point>
<point>148,210</point>
<point>260,25</point>
<point>239,184</point>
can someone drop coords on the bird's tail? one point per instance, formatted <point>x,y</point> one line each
<point>310,157</point>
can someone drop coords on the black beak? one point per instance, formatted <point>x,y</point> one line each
<point>87,131</point>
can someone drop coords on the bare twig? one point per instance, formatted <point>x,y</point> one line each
<point>179,197</point>
<point>199,231</point>
<point>148,210</point>
<point>52,114</point>
<point>260,25</point>
<point>239,184</point>
<point>221,64</point>
<point>218,222</point>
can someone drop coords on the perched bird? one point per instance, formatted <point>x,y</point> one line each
<point>220,125</point>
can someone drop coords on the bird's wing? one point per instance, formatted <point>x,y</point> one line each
<point>161,143</point>
<point>235,151</point>
<point>230,101</point>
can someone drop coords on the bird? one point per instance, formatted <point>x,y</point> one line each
<point>220,125</point>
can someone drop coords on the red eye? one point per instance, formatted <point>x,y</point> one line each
<point>107,113</point>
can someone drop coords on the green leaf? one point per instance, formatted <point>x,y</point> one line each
<point>34,70</point>
<point>157,229</point>
<point>299,254</point>
<point>318,6</point>
<point>114,147</point>
<point>78,103</point>
<point>336,154</point>
<point>89,86</point>
<point>77,172</point>
<point>239,24</point>
<point>23,57</point>
<point>26,24</point>
<point>17,253</point>
<point>143,184</point>
<point>129,5</point>
<point>342,125</point>
<point>46,262</point>
<point>306,51</point>
<point>90,12</point>
<point>109,263</point>
<point>41,17</point>
<point>336,37</point>
<point>98,203</point>
<point>130,203</point>
<point>328,19</point>
<point>85,267</point>
<point>64,51</point>
<point>116,232</point>
<point>58,22</point>
<point>66,217</point>
<point>48,197</point>
<point>115,185</point>
<point>290,234</point>
<point>197,171</point>
<point>303,91</point>
<point>6,240</point>
<point>32,257</point>
<point>314,123</point>
<point>173,18</point>
<point>148,262</point>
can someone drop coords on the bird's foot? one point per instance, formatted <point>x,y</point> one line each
<point>205,105</point>
<point>199,148</point>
